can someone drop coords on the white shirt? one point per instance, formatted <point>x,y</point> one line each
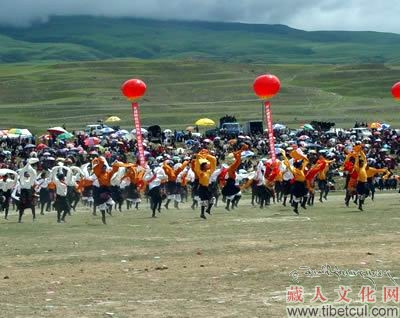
<point>156,177</point>
<point>16,192</point>
<point>9,184</point>
<point>72,178</point>
<point>41,183</point>
<point>214,175</point>
<point>190,175</point>
<point>259,178</point>
<point>182,175</point>
<point>27,182</point>
<point>61,186</point>
<point>117,177</point>
<point>286,173</point>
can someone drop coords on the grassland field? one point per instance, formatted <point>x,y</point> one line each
<point>41,95</point>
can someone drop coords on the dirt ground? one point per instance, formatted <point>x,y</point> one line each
<point>234,264</point>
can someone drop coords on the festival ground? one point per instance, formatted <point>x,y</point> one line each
<point>235,264</point>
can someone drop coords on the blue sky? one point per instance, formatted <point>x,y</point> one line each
<point>359,15</point>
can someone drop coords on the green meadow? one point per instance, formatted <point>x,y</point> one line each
<point>40,95</point>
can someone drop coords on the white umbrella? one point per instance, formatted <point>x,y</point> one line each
<point>144,131</point>
<point>167,131</point>
<point>107,130</point>
<point>123,132</point>
<point>56,130</point>
<point>278,127</point>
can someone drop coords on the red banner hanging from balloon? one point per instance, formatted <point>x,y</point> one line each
<point>139,136</point>
<point>268,121</point>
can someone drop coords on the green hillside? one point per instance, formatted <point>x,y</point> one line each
<point>93,38</point>
<point>179,92</point>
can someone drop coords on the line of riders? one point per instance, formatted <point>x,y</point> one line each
<point>104,186</point>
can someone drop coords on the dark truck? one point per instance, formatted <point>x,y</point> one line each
<point>253,127</point>
<point>229,127</point>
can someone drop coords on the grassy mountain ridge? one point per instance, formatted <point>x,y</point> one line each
<point>94,38</point>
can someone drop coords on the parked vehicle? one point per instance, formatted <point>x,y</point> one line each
<point>229,127</point>
<point>155,133</point>
<point>95,129</point>
<point>253,127</point>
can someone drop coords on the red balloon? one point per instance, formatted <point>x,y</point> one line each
<point>266,86</point>
<point>396,91</point>
<point>133,89</point>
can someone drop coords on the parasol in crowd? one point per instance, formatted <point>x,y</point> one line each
<point>205,122</point>
<point>144,131</point>
<point>112,119</point>
<point>107,130</point>
<point>278,127</point>
<point>375,125</point>
<point>307,127</point>
<point>19,132</point>
<point>65,136</point>
<point>56,130</point>
<point>91,141</point>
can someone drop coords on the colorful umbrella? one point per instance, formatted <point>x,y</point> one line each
<point>41,147</point>
<point>65,136</point>
<point>113,119</point>
<point>375,125</point>
<point>307,127</point>
<point>91,141</point>
<point>205,122</point>
<point>19,131</point>
<point>56,130</point>
<point>122,132</point>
